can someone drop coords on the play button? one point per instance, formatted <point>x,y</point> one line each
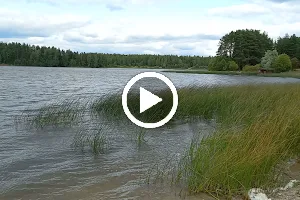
<point>147,100</point>
<point>151,105</point>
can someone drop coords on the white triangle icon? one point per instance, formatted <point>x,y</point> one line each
<point>147,100</point>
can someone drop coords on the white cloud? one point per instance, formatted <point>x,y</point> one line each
<point>17,23</point>
<point>113,2</point>
<point>156,34</point>
<point>239,10</point>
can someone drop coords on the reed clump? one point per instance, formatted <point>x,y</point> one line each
<point>258,129</point>
<point>111,107</point>
<point>57,114</point>
<point>94,140</point>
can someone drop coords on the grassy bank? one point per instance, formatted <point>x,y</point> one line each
<point>258,131</point>
<point>291,74</point>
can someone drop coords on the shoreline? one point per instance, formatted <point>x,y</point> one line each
<point>250,159</point>
<point>291,74</point>
<point>115,67</point>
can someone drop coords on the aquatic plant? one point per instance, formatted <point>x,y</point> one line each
<point>93,140</point>
<point>111,107</point>
<point>258,129</point>
<point>140,136</point>
<point>56,114</point>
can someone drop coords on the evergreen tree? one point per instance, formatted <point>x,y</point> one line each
<point>245,46</point>
<point>289,45</point>
<point>30,55</point>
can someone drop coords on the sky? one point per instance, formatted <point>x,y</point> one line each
<point>180,27</point>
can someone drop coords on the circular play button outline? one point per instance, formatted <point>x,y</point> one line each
<point>150,75</point>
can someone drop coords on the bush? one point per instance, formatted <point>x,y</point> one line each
<point>282,63</point>
<point>233,66</point>
<point>219,63</point>
<point>269,58</point>
<point>295,63</point>
<point>211,64</point>
<point>222,65</point>
<point>258,66</point>
<point>251,68</point>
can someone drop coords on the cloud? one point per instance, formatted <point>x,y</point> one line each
<point>9,33</point>
<point>171,38</point>
<point>165,49</point>
<point>18,24</point>
<point>281,1</point>
<point>139,39</point>
<point>239,10</point>
<point>150,45</point>
<point>48,2</point>
<point>184,47</point>
<point>113,7</point>
<point>266,12</point>
<point>155,31</point>
<point>104,2</point>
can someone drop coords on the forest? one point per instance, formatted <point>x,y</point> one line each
<point>30,55</point>
<point>250,50</point>
<point>237,50</point>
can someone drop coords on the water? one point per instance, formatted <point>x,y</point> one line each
<point>41,164</point>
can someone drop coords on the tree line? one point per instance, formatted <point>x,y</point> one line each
<point>253,49</point>
<point>31,55</point>
<point>240,48</point>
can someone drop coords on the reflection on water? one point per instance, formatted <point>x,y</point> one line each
<point>40,164</point>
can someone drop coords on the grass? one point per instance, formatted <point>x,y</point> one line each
<point>56,114</point>
<point>291,74</point>
<point>140,136</point>
<point>94,141</point>
<point>111,107</point>
<point>194,71</point>
<point>258,130</point>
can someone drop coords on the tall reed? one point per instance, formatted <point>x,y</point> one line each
<point>93,140</point>
<point>56,114</point>
<point>258,129</point>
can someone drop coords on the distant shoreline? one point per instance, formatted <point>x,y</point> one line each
<point>114,67</point>
<point>291,74</point>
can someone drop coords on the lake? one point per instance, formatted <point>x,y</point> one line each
<point>41,164</point>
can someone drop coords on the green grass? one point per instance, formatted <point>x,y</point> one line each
<point>291,74</point>
<point>194,71</point>
<point>111,107</point>
<point>57,114</point>
<point>140,136</point>
<point>94,141</point>
<point>258,130</point>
